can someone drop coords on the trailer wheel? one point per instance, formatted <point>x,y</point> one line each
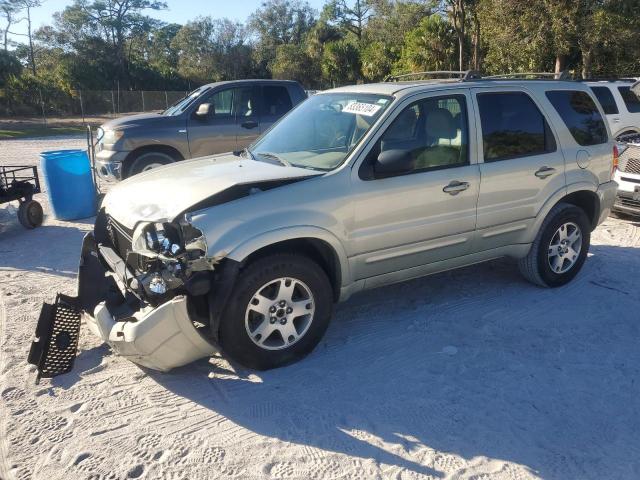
<point>30,214</point>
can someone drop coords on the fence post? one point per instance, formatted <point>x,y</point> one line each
<point>81,107</point>
<point>113,104</point>
<point>166,99</point>
<point>142,93</point>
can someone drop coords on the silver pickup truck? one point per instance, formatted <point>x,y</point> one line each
<point>215,118</point>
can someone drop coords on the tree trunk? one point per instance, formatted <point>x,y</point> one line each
<point>6,30</point>
<point>31,55</point>
<point>587,58</point>
<point>476,46</point>
<point>561,61</point>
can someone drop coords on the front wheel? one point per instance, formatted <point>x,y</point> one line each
<point>278,312</point>
<point>560,248</point>
<point>149,161</point>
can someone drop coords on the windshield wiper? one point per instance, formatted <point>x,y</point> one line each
<point>273,156</point>
<point>246,153</point>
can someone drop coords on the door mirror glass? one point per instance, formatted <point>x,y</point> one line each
<point>203,110</point>
<point>393,162</point>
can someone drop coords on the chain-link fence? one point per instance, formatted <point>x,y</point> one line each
<point>83,103</point>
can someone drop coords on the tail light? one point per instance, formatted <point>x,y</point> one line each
<point>614,160</point>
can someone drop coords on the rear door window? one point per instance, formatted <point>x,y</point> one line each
<point>605,97</point>
<point>630,99</point>
<point>581,116</point>
<point>276,101</point>
<point>512,126</point>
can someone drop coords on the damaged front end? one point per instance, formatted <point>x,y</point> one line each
<point>152,294</point>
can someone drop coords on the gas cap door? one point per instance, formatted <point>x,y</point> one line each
<point>583,158</point>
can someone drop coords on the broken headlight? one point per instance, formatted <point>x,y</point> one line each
<point>154,239</point>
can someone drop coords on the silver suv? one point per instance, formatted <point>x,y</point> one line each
<point>356,188</point>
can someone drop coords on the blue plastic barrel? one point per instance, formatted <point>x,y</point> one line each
<point>67,175</point>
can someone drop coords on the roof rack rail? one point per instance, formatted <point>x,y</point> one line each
<point>462,75</point>
<point>564,75</point>
<point>609,79</point>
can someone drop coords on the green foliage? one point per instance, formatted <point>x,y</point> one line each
<point>341,62</point>
<point>431,46</point>
<point>293,62</point>
<point>10,67</point>
<point>110,44</point>
<point>211,50</point>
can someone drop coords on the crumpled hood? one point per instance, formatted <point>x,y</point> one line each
<point>163,193</point>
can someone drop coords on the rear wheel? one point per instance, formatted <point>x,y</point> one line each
<point>279,310</point>
<point>149,161</point>
<point>30,214</point>
<point>560,248</point>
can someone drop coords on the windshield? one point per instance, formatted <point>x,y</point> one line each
<point>182,104</point>
<point>322,131</point>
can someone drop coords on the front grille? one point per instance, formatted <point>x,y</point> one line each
<point>629,161</point>
<point>121,242</point>
<point>628,202</point>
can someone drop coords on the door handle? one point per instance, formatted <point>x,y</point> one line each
<point>455,187</point>
<point>249,124</point>
<point>545,172</point>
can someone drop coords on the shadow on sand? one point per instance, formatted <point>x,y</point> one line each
<point>474,362</point>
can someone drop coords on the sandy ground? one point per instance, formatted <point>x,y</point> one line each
<point>472,374</point>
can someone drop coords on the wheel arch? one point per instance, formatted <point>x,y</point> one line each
<point>317,244</point>
<point>626,130</point>
<point>582,195</point>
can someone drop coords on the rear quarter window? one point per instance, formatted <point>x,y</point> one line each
<point>605,97</point>
<point>581,116</point>
<point>630,99</point>
<point>512,126</point>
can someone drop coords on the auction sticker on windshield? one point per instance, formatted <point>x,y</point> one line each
<point>366,109</point>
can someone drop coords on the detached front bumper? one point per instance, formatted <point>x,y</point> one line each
<point>161,337</point>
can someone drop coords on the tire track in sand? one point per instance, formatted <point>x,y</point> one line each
<point>4,468</point>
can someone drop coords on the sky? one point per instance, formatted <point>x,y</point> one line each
<point>178,11</point>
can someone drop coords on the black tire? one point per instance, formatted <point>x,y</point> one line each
<point>536,267</point>
<point>30,214</point>
<point>233,335</point>
<point>147,160</point>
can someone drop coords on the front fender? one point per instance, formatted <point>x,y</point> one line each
<point>253,244</point>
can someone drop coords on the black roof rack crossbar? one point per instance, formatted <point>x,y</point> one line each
<point>463,75</point>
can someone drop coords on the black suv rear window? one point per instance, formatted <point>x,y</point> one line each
<point>605,97</point>
<point>581,116</point>
<point>512,126</point>
<point>630,99</point>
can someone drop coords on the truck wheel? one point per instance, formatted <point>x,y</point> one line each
<point>280,308</point>
<point>30,214</point>
<point>560,248</point>
<point>149,161</point>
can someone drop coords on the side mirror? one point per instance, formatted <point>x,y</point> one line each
<point>203,110</point>
<point>393,162</point>
<point>635,88</point>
